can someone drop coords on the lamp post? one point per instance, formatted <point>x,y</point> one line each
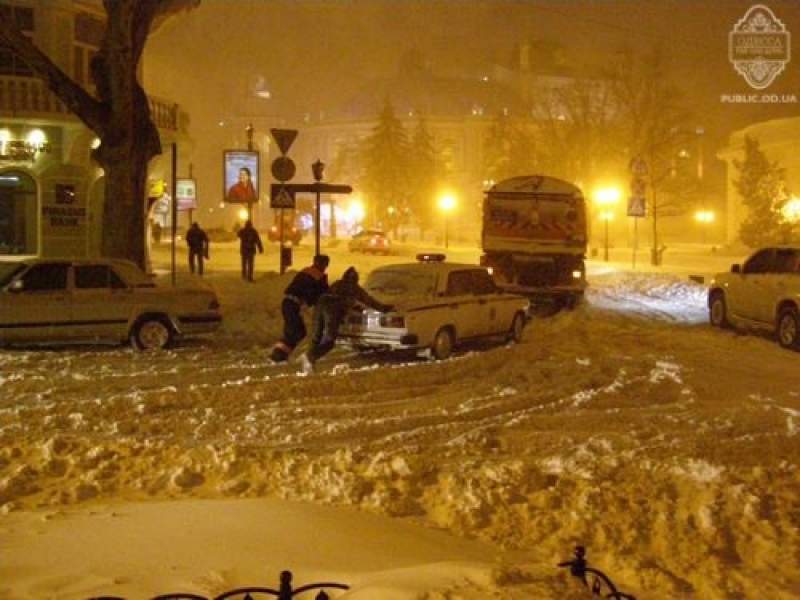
<point>606,199</point>
<point>606,216</point>
<point>447,202</point>
<point>318,169</point>
<point>704,218</point>
<point>249,132</point>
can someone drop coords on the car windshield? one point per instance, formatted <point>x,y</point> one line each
<point>400,283</point>
<point>9,270</point>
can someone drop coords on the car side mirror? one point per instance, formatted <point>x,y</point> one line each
<point>736,268</point>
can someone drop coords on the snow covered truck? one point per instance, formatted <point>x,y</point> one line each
<point>534,238</point>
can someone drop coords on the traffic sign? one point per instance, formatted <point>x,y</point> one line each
<point>281,197</point>
<point>319,187</point>
<point>637,206</point>
<point>284,138</point>
<point>283,168</point>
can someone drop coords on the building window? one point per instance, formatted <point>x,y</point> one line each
<point>87,38</point>
<point>10,62</point>
<point>19,225</point>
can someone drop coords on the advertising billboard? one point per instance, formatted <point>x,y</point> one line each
<point>240,176</point>
<point>186,194</point>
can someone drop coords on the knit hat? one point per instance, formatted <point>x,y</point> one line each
<point>350,275</point>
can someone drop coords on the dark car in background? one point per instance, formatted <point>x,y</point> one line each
<point>370,241</point>
<point>291,234</point>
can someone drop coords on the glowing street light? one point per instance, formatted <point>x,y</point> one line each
<point>791,210</point>
<point>605,199</point>
<point>447,203</point>
<point>705,218</point>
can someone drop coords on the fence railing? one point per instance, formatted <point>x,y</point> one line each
<point>598,582</point>
<point>27,97</point>
<point>284,592</point>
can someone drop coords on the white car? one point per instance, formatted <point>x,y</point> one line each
<point>45,301</point>
<point>437,305</point>
<point>762,293</point>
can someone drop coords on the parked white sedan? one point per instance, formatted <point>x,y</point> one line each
<point>437,305</point>
<point>45,301</point>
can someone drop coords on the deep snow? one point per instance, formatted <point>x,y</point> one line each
<point>666,447</point>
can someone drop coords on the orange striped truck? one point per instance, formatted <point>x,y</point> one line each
<point>534,238</point>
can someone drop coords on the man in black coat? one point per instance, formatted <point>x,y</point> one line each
<point>330,311</point>
<point>249,242</point>
<point>305,288</point>
<point>197,240</point>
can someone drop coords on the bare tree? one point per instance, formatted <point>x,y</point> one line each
<point>579,121</point>
<point>118,113</point>
<point>656,128</point>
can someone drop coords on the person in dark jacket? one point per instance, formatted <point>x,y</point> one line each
<point>305,288</point>
<point>249,242</point>
<point>197,240</point>
<point>342,296</point>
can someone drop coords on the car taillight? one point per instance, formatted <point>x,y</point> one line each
<point>395,321</point>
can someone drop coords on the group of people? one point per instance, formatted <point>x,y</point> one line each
<point>331,303</point>
<point>309,288</point>
<point>249,243</point>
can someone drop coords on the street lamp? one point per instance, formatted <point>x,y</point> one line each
<point>318,170</point>
<point>605,199</point>
<point>447,202</point>
<point>606,216</point>
<point>705,218</point>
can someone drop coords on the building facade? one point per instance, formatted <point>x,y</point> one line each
<point>51,190</point>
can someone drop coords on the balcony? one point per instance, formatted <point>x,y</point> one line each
<point>29,98</point>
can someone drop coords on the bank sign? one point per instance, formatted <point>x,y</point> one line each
<point>759,47</point>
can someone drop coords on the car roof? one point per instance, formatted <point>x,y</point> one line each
<point>428,266</point>
<point>130,270</point>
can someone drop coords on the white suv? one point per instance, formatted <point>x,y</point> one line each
<point>762,293</point>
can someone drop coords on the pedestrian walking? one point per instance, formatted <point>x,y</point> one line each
<point>305,289</point>
<point>331,309</point>
<point>249,242</point>
<point>197,240</point>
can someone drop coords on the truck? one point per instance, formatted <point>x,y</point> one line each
<point>534,238</point>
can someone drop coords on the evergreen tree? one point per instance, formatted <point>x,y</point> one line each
<point>761,186</point>
<point>422,188</point>
<point>386,166</point>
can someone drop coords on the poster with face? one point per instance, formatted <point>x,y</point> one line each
<point>240,176</point>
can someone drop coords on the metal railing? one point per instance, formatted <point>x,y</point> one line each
<point>598,582</point>
<point>284,592</point>
<point>29,97</point>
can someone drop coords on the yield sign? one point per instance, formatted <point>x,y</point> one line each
<point>284,138</point>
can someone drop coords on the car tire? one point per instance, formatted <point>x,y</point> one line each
<point>788,329</point>
<point>443,342</point>
<point>718,311</point>
<point>152,333</point>
<point>516,329</point>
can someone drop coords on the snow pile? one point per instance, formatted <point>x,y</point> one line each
<point>667,448</point>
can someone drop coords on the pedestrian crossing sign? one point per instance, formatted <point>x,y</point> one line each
<point>281,197</point>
